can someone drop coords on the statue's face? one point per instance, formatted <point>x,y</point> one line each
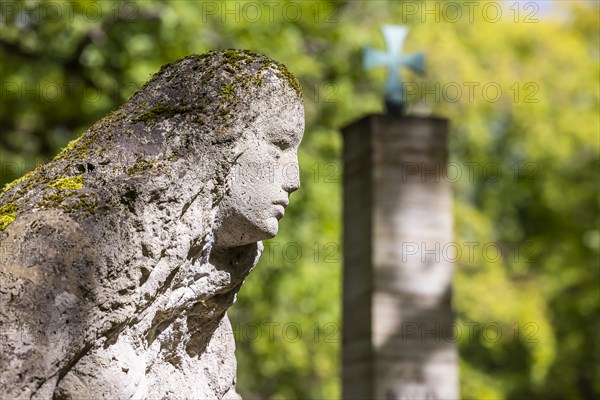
<point>263,177</point>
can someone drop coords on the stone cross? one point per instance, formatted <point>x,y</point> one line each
<point>393,59</point>
<point>121,256</point>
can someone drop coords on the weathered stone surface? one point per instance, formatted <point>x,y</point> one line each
<point>120,257</point>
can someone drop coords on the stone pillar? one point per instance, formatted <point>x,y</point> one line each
<point>398,338</point>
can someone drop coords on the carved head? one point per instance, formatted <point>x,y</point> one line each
<point>247,110</point>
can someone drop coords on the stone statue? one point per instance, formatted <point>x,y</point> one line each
<point>119,259</point>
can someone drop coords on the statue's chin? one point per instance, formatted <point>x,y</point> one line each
<point>230,235</point>
<point>271,228</point>
<point>267,229</point>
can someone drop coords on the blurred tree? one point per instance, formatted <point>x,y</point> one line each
<point>522,94</point>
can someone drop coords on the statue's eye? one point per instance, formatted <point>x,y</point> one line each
<point>282,144</point>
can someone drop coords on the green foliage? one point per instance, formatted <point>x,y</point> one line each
<point>541,133</point>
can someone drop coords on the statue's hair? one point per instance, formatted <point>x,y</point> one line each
<point>217,87</point>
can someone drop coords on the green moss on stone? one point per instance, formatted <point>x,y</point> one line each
<point>87,203</point>
<point>6,220</point>
<point>164,112</point>
<point>73,183</point>
<point>227,92</point>
<point>114,117</point>
<point>293,82</point>
<point>159,112</point>
<point>248,69</point>
<point>234,57</point>
<point>78,148</point>
<point>76,201</point>
<point>68,148</point>
<point>10,185</point>
<point>53,200</point>
<point>198,120</point>
<point>8,213</point>
<point>140,166</point>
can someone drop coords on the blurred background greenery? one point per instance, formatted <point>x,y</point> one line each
<point>520,83</point>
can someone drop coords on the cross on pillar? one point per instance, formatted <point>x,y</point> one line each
<point>393,59</point>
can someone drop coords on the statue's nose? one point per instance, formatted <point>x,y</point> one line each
<point>291,178</point>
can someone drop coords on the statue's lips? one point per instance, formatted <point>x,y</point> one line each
<point>280,208</point>
<point>279,211</point>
